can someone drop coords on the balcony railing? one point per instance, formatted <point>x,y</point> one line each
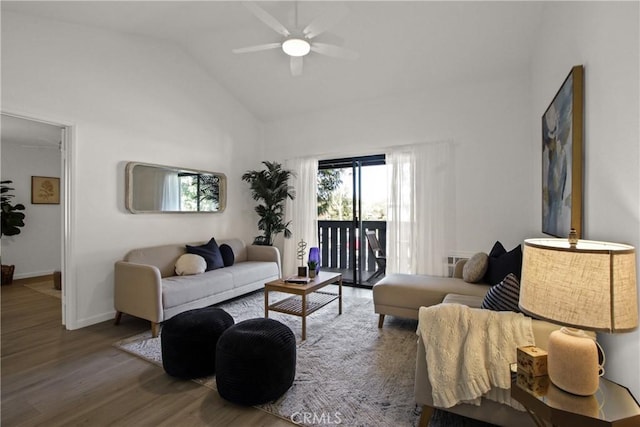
<point>336,247</point>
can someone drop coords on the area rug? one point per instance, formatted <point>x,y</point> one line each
<point>348,371</point>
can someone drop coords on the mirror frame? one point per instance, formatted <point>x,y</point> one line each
<point>129,189</point>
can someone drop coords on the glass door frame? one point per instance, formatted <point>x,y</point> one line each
<point>357,239</point>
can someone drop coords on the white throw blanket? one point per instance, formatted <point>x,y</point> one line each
<point>469,351</point>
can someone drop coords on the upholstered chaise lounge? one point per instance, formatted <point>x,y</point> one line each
<point>402,295</point>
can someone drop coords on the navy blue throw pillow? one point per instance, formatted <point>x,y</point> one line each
<point>501,263</point>
<point>504,296</point>
<point>497,250</point>
<point>210,252</point>
<point>227,255</point>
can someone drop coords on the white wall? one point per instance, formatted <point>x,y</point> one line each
<point>604,37</point>
<point>488,121</point>
<point>36,251</point>
<point>129,98</point>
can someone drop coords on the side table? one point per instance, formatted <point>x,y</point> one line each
<point>611,405</point>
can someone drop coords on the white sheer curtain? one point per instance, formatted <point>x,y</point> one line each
<point>421,210</point>
<point>171,192</point>
<point>302,211</point>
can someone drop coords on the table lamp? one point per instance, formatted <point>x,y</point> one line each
<point>583,285</point>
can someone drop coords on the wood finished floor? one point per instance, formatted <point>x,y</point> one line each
<point>54,377</point>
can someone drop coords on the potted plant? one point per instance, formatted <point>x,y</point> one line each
<point>271,188</point>
<point>312,268</point>
<point>12,220</point>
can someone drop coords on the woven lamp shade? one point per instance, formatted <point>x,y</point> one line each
<point>590,286</point>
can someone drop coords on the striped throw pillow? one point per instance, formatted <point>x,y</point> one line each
<point>503,296</point>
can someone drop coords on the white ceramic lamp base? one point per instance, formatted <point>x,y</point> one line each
<point>573,361</point>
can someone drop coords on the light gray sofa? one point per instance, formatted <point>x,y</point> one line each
<point>402,295</point>
<point>146,285</point>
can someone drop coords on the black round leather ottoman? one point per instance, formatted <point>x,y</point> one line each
<point>189,341</point>
<point>255,361</point>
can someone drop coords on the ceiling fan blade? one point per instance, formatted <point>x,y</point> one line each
<point>296,66</point>
<point>334,51</point>
<point>257,48</point>
<point>267,18</point>
<point>323,23</point>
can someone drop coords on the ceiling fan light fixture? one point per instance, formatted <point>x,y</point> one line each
<point>296,47</point>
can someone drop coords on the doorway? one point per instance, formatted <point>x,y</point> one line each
<point>352,200</point>
<point>33,158</point>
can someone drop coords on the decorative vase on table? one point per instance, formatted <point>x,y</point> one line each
<point>314,256</point>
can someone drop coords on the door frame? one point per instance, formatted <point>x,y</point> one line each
<point>356,240</point>
<point>67,170</point>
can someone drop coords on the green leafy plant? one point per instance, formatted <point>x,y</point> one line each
<point>12,218</point>
<point>312,265</point>
<point>271,188</point>
<point>329,180</point>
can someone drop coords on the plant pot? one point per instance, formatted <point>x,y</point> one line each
<point>7,274</point>
<point>302,271</point>
<point>312,273</point>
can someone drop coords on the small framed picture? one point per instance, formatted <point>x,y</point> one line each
<point>45,190</point>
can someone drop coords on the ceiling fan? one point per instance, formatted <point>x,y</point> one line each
<point>298,42</point>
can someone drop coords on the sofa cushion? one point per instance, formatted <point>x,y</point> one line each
<point>210,252</point>
<point>416,290</point>
<point>504,296</point>
<point>189,264</point>
<point>179,290</point>
<point>248,272</point>
<point>162,257</point>
<point>475,268</point>
<point>468,300</point>
<point>501,265</point>
<point>227,255</point>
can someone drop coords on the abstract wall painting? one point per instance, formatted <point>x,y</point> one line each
<point>562,131</point>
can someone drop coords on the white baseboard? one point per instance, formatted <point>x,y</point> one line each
<point>88,321</point>
<point>32,274</point>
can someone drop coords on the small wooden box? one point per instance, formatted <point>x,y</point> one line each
<point>537,385</point>
<point>532,360</point>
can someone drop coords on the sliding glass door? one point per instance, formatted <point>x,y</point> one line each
<point>351,201</point>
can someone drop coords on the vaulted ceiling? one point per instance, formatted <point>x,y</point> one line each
<point>403,46</point>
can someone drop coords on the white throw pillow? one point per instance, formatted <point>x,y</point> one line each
<point>190,264</point>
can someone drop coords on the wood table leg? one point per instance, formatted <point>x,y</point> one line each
<point>304,317</point>
<point>340,296</point>
<point>425,417</point>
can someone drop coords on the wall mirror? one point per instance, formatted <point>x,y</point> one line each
<point>157,188</point>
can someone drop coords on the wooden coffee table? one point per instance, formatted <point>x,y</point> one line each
<point>306,298</point>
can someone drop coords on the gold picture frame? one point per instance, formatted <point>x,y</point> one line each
<point>562,156</point>
<point>45,190</point>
